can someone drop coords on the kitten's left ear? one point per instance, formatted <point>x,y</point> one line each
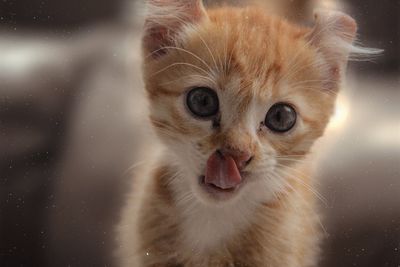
<point>164,21</point>
<point>333,35</point>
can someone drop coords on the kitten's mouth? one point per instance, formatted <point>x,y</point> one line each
<point>216,191</point>
<point>222,176</point>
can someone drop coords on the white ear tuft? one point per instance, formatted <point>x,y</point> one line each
<point>165,19</point>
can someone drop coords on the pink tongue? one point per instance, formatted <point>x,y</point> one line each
<point>222,172</point>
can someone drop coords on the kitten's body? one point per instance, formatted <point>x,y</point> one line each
<point>253,61</point>
<point>281,233</point>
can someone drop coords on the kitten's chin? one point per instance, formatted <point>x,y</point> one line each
<point>215,194</point>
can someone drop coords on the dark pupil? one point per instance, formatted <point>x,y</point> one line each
<point>280,118</point>
<point>202,102</point>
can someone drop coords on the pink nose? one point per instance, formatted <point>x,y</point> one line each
<point>241,158</point>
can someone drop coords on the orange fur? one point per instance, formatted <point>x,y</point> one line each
<point>252,60</point>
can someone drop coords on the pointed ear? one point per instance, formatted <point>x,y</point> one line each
<point>333,35</point>
<point>164,21</point>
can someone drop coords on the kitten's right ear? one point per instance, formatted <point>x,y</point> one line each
<point>333,35</point>
<point>164,21</point>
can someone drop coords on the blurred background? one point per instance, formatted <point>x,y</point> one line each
<point>72,123</point>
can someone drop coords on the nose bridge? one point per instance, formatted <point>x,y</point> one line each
<point>238,138</point>
<point>236,134</point>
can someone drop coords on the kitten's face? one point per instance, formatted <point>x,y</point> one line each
<point>238,97</point>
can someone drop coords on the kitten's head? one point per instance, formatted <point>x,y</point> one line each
<point>239,96</point>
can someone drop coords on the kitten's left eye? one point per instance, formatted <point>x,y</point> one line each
<point>281,117</point>
<point>202,102</point>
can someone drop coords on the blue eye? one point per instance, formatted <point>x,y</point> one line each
<point>280,118</point>
<point>202,102</point>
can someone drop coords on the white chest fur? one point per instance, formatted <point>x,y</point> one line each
<point>207,229</point>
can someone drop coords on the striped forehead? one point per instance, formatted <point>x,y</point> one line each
<point>243,54</point>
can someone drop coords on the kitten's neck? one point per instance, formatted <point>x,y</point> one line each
<point>199,229</point>
<point>190,231</point>
<point>206,227</point>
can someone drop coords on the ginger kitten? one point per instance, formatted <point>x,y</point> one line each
<point>237,97</point>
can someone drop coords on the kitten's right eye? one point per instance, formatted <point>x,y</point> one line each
<point>202,102</point>
<point>280,118</point>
